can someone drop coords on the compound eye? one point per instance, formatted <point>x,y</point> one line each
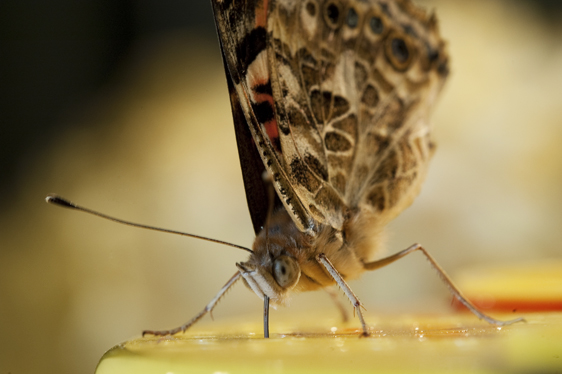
<point>286,271</point>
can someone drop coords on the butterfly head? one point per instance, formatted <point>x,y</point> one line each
<point>274,276</point>
<point>273,268</point>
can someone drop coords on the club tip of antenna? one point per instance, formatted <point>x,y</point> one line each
<point>57,200</point>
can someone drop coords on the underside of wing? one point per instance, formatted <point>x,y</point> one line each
<point>353,84</point>
<point>250,162</point>
<point>337,96</point>
<point>242,28</point>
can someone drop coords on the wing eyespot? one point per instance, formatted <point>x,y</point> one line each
<point>376,25</point>
<point>352,19</point>
<point>310,8</point>
<point>332,14</point>
<point>399,51</point>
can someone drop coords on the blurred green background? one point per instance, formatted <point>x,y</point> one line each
<point>122,106</point>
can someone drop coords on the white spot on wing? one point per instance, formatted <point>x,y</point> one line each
<point>258,72</point>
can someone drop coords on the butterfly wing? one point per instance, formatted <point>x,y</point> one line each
<point>337,97</point>
<point>250,162</point>
<point>242,30</point>
<point>353,83</point>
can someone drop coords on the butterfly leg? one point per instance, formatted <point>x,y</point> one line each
<point>444,277</point>
<point>322,259</point>
<point>335,298</point>
<point>208,309</point>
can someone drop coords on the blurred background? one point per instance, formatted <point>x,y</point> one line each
<point>122,106</point>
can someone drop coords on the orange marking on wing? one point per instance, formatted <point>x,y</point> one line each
<point>261,14</point>
<point>272,131</point>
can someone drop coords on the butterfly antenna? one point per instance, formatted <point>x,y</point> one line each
<point>60,201</point>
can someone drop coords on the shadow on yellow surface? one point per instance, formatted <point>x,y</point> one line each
<point>398,344</point>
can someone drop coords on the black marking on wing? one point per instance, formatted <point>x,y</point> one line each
<point>263,111</point>
<point>250,161</point>
<point>250,47</point>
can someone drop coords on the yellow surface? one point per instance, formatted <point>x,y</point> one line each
<point>530,282</point>
<point>399,344</point>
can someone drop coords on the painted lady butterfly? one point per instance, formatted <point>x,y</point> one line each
<point>330,100</point>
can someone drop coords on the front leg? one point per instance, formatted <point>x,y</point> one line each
<point>322,259</point>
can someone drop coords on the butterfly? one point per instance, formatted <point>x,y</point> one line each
<point>331,102</point>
